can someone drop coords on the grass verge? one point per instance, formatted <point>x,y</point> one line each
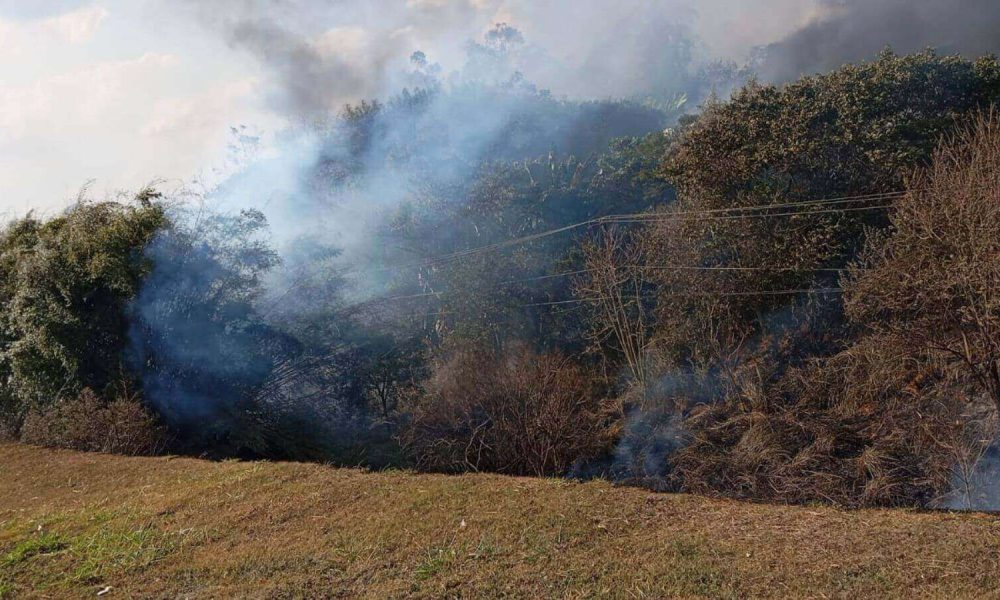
<point>72,525</point>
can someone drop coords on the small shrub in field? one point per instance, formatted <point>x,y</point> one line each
<point>87,423</point>
<point>513,412</point>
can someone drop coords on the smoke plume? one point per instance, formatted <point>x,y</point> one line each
<point>459,84</point>
<point>854,30</point>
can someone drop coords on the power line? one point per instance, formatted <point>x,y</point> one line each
<point>712,214</point>
<point>639,267</point>
<point>805,203</point>
<point>827,290</point>
<point>694,295</point>
<point>668,218</point>
<point>842,203</point>
<point>579,301</point>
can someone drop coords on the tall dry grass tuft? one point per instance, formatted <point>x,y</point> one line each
<point>861,428</point>
<point>935,282</point>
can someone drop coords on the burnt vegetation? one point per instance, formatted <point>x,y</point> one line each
<point>790,295</point>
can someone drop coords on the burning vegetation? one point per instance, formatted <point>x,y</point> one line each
<point>789,295</point>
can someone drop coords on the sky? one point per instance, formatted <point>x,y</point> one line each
<point>121,93</point>
<point>116,94</point>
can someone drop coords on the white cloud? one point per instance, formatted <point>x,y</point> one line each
<point>202,115</point>
<point>76,26</point>
<point>59,131</point>
<point>104,92</point>
<point>353,42</point>
<point>427,3</point>
<point>21,36</point>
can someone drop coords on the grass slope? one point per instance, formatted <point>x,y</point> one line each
<point>72,525</point>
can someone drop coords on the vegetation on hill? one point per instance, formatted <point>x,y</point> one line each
<point>786,296</point>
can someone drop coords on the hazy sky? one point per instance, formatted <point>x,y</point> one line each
<point>129,91</point>
<point>121,92</point>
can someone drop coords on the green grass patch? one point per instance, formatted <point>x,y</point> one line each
<point>85,548</point>
<point>6,590</point>
<point>435,562</point>
<point>41,544</point>
<point>112,550</point>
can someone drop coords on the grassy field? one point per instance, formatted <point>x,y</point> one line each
<point>75,525</point>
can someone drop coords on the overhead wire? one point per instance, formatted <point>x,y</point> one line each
<point>744,212</point>
<point>730,213</point>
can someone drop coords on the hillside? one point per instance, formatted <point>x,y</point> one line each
<point>71,525</point>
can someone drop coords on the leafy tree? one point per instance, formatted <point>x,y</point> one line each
<point>199,346</point>
<point>66,285</point>
<point>503,295</point>
<point>857,129</point>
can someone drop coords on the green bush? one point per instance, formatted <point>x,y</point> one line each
<point>860,129</point>
<point>65,285</point>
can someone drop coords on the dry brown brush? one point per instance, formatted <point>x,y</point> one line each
<point>935,282</point>
<point>90,424</point>
<point>869,426</point>
<point>905,412</point>
<point>515,412</point>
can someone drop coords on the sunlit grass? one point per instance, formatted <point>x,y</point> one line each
<point>179,527</point>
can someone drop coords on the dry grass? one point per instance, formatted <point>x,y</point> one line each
<point>514,412</point>
<point>73,524</point>
<point>124,426</point>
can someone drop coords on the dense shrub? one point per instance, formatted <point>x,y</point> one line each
<point>871,426</point>
<point>65,284</point>
<point>514,412</point>
<point>903,414</point>
<point>87,423</point>
<point>199,345</point>
<point>858,130</point>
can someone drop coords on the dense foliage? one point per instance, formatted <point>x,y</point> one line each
<point>857,131</point>
<point>806,403</point>
<point>66,285</point>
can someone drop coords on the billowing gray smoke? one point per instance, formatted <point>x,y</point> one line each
<point>328,179</point>
<point>319,55</point>
<point>307,76</point>
<point>855,30</point>
<point>228,354</point>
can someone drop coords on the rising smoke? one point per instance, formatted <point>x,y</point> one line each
<point>487,92</point>
<point>316,56</point>
<point>854,30</point>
